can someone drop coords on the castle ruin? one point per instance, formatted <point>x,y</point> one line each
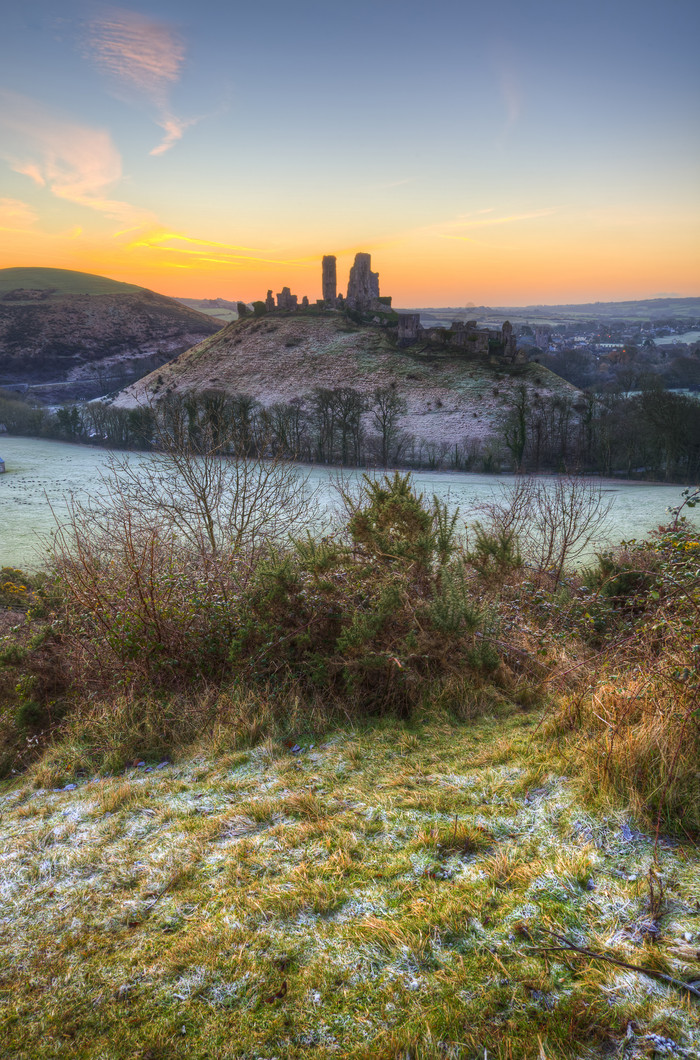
<point>363,284</point>
<point>363,297</point>
<point>286,300</point>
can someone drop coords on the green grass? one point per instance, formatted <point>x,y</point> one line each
<point>64,281</point>
<point>380,895</point>
<point>220,314</point>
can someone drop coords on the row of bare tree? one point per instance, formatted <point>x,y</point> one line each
<point>655,434</point>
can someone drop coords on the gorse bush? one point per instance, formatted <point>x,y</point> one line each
<point>495,554</point>
<point>374,617</point>
<point>370,618</point>
<point>199,594</point>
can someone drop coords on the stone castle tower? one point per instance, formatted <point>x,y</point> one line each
<point>363,285</point>
<point>329,280</point>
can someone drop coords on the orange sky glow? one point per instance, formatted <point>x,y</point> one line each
<point>557,165</point>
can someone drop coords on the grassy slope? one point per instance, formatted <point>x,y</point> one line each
<point>378,896</point>
<point>65,282</point>
<point>278,358</point>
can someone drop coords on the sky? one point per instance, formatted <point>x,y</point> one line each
<point>500,154</point>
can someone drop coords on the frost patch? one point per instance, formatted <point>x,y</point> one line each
<point>361,905</point>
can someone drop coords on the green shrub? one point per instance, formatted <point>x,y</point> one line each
<point>495,554</point>
<point>375,618</point>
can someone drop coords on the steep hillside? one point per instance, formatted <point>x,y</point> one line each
<point>67,334</point>
<point>450,397</point>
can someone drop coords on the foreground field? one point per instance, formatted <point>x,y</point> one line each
<point>394,891</point>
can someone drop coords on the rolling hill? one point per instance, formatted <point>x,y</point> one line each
<point>67,335</point>
<point>654,309</point>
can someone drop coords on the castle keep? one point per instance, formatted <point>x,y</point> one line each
<point>363,297</point>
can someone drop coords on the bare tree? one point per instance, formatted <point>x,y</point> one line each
<point>515,427</point>
<point>349,405</point>
<point>324,422</point>
<point>387,409</point>
<point>554,521</point>
<point>204,483</point>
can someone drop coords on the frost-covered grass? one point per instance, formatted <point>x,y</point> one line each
<point>383,894</point>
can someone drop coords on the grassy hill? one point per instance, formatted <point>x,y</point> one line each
<point>61,282</point>
<point>374,796</point>
<point>280,358</point>
<point>66,334</point>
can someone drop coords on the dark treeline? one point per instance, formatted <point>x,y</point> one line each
<point>632,367</point>
<point>655,434</point>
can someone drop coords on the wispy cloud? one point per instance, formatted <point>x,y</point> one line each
<point>201,249</point>
<point>76,162</point>
<point>143,58</point>
<point>471,221</point>
<point>16,216</point>
<point>511,93</point>
<point>145,54</point>
<point>506,62</point>
<point>174,129</point>
<point>393,183</point>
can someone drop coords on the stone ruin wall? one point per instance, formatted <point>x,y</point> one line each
<point>363,297</point>
<point>363,285</point>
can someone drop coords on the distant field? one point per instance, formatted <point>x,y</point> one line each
<point>65,282</point>
<point>671,340</point>
<point>220,314</point>
<point>645,309</point>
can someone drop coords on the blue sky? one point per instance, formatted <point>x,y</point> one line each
<point>513,153</point>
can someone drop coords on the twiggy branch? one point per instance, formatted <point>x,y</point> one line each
<point>566,946</point>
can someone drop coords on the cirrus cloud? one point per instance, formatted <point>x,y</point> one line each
<point>15,215</point>
<point>78,163</point>
<point>143,59</point>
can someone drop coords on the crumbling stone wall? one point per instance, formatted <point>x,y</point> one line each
<point>409,327</point>
<point>363,285</point>
<point>286,300</point>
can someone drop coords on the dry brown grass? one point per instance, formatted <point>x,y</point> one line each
<point>639,738</point>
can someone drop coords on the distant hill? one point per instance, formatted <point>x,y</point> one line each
<point>67,335</point>
<point>451,399</point>
<point>645,309</point>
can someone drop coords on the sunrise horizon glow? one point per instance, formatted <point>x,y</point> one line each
<point>500,157</point>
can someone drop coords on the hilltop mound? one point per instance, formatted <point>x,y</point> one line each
<point>66,334</point>
<point>451,397</point>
